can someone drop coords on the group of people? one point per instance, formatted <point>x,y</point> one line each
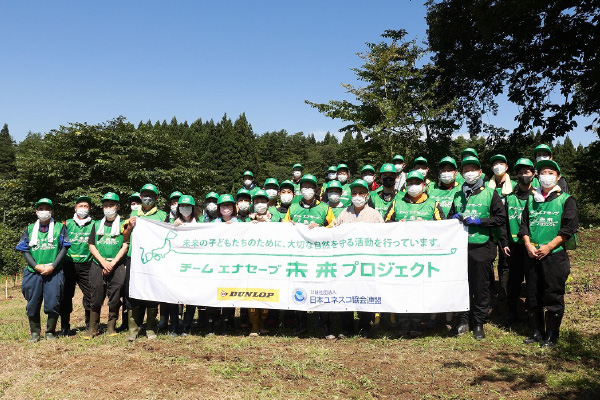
<point>528,223</point>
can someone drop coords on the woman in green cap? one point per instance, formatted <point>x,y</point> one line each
<point>244,201</point>
<point>368,175</point>
<point>44,245</point>
<point>210,207</point>
<point>544,152</point>
<point>334,195</point>
<point>262,213</point>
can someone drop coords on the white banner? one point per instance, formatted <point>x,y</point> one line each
<point>414,267</point>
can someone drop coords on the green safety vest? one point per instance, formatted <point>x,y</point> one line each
<point>515,211</point>
<point>46,250</point>
<point>79,252</point>
<point>381,206</point>
<point>159,216</point>
<point>346,198</point>
<point>478,206</point>
<point>302,215</point>
<point>296,189</point>
<point>337,210</point>
<point>275,214</point>
<point>444,197</point>
<point>411,211</point>
<point>545,219</point>
<point>108,246</point>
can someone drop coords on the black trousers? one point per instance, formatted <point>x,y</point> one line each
<point>516,271</point>
<point>481,258</point>
<point>546,280</point>
<point>106,285</point>
<point>75,274</point>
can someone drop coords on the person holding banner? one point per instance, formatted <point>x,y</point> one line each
<point>243,199</point>
<point>481,210</point>
<point>107,273</point>
<point>548,228</point>
<point>271,187</point>
<point>211,208</point>
<point>286,196</point>
<point>44,245</point>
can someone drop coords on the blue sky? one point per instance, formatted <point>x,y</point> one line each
<point>84,61</point>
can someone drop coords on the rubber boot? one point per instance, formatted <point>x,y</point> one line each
<point>188,317</point>
<point>174,318</point>
<point>134,316</point>
<point>164,317</point>
<point>124,321</point>
<point>478,332</point>
<point>254,317</point>
<point>461,324</point>
<point>65,324</point>
<point>87,319</point>
<point>35,327</point>
<point>245,318</point>
<point>94,322</point>
<point>536,321</point>
<point>151,314</point>
<point>51,327</point>
<point>111,329</point>
<point>263,314</point>
<point>553,321</point>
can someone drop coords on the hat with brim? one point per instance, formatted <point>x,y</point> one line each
<point>288,184</point>
<point>212,195</point>
<point>175,194</point>
<point>332,168</point>
<point>186,199</point>
<point>415,175</point>
<point>259,194</point>
<point>448,160</point>
<point>469,151</point>
<point>542,147</point>
<point>470,160</point>
<point>309,178</point>
<point>271,181</point>
<point>248,173</point>
<point>225,198</point>
<point>148,187</point>
<point>420,160</point>
<point>135,197</point>
<point>299,166</point>
<point>110,196</point>
<point>498,157</point>
<point>387,168</point>
<point>87,199</point>
<point>343,166</point>
<point>359,183</point>
<point>367,168</point>
<point>547,163</point>
<point>243,192</point>
<point>398,157</point>
<point>523,162</point>
<point>334,185</point>
<point>44,200</point>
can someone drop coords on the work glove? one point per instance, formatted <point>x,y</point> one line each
<point>472,221</point>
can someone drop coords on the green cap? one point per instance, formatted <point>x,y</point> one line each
<point>134,196</point>
<point>225,198</point>
<point>44,200</point>
<point>287,183</point>
<point>249,173</point>
<point>149,188</point>
<point>498,157</point>
<point>309,178</point>
<point>187,200</point>
<point>448,160</point>
<point>367,168</point>
<point>212,195</point>
<point>242,192</point>
<point>415,175</point>
<point>83,198</point>
<point>387,168</point>
<point>332,168</point>
<point>470,160</point>
<point>334,184</point>
<point>260,193</point>
<point>271,181</point>
<point>398,157</point>
<point>547,163</point>
<point>342,166</point>
<point>542,147</point>
<point>523,162</point>
<point>359,183</point>
<point>420,160</point>
<point>469,151</point>
<point>175,194</point>
<point>299,166</point>
<point>110,196</point>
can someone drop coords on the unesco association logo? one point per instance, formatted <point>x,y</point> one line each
<point>299,296</point>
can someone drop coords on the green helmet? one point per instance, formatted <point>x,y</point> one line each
<point>498,157</point>
<point>334,184</point>
<point>44,200</point>
<point>332,168</point>
<point>542,147</point>
<point>420,160</point>
<point>271,181</point>
<point>415,175</point>
<point>523,162</point>
<point>448,160</point>
<point>149,188</point>
<point>110,196</point>
<point>84,198</point>
<point>309,178</point>
<point>547,163</point>
<point>134,196</point>
<point>186,199</point>
<point>367,168</point>
<point>343,166</point>
<point>299,166</point>
<point>388,167</point>
<point>470,160</point>
<point>248,173</point>
<point>469,151</point>
<point>212,195</point>
<point>243,192</point>
<point>175,194</point>
<point>359,183</point>
<point>260,193</point>
<point>225,198</point>
<point>287,183</point>
<point>398,157</point>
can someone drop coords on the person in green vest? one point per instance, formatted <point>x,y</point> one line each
<point>286,197</point>
<point>149,210</point>
<point>421,165</point>
<point>107,273</point>
<point>173,200</point>
<point>381,199</point>
<point>44,245</point>
<point>262,211</point>
<point>243,200</point>
<point>343,176</point>
<point>334,194</point>
<point>445,188</point>
<point>135,202</point>
<point>513,247</point>
<point>210,207</point>
<point>549,224</point>
<point>296,175</point>
<point>481,210</point>
<point>469,151</point>
<point>248,182</point>
<point>271,187</point>
<point>415,205</point>
<point>368,175</point>
<point>544,152</point>
<point>77,263</point>
<point>399,165</point>
<point>330,176</point>
<point>311,212</point>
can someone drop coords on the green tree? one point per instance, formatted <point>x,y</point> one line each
<point>7,152</point>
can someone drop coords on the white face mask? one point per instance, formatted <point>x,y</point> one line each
<point>186,211</point>
<point>447,177</point>
<point>471,177</point>
<point>307,193</point>
<point>423,172</point>
<point>148,201</point>
<point>540,158</point>
<point>43,215</point>
<point>136,207</point>
<point>358,201</point>
<point>342,178</point>
<point>334,197</point>
<point>399,167</point>
<point>297,174</point>
<point>368,178</point>
<point>331,176</point>
<point>82,212</point>
<point>248,182</point>
<point>286,198</point>
<point>414,190</point>
<point>272,193</point>
<point>110,213</point>
<point>174,209</point>
<point>211,207</point>
<point>498,169</point>
<point>547,181</point>
<point>243,206</point>
<point>260,208</point>
<point>228,210</point>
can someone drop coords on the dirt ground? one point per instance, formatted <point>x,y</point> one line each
<point>281,366</point>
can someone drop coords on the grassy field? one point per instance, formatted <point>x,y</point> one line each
<point>431,367</point>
